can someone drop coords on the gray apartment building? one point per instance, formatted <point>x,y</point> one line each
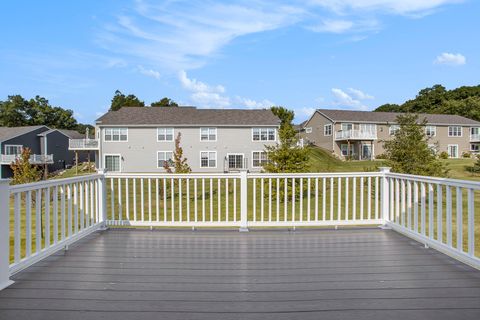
<point>359,134</point>
<point>141,139</point>
<point>48,147</point>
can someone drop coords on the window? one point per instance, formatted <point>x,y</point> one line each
<point>208,134</point>
<point>475,147</point>
<point>112,163</point>
<point>475,133</point>
<point>308,130</point>
<point>259,159</point>
<point>164,156</point>
<point>394,128</point>
<point>344,148</point>
<point>235,161</point>
<point>454,131</point>
<point>453,150</point>
<point>116,134</point>
<point>430,131</point>
<point>208,159</point>
<point>347,126</point>
<point>263,134</point>
<point>165,134</point>
<point>13,149</point>
<point>327,130</point>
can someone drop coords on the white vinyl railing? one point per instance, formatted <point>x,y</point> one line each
<point>40,218</point>
<point>34,158</point>
<point>355,134</point>
<point>475,137</point>
<point>83,144</point>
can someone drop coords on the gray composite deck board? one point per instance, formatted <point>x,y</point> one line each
<point>219,274</point>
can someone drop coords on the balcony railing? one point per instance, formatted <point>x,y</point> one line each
<point>475,137</point>
<point>440,213</point>
<point>34,158</point>
<point>83,144</point>
<point>355,135</point>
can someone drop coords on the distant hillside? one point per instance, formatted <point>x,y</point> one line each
<point>463,101</point>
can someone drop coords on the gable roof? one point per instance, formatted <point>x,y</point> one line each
<point>7,133</point>
<point>391,117</point>
<point>188,116</point>
<point>72,134</point>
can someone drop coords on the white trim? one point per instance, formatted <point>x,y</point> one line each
<point>260,134</point>
<point>114,155</point>
<point>253,151</point>
<point>331,129</point>
<point>165,157</point>
<point>216,159</point>
<point>108,141</point>
<point>11,145</point>
<point>173,134</point>
<point>457,153</point>
<point>236,154</point>
<point>208,140</point>
<point>308,130</point>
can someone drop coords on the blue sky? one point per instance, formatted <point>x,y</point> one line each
<point>350,54</point>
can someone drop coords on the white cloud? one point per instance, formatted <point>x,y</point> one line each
<point>305,112</point>
<point>253,104</point>
<point>148,72</point>
<point>360,95</point>
<point>450,59</point>
<point>341,98</point>
<point>333,26</point>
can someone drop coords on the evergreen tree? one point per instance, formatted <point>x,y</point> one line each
<point>120,100</point>
<point>408,151</point>
<point>286,156</point>
<point>164,102</point>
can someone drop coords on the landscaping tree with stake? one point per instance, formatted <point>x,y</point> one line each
<point>179,162</point>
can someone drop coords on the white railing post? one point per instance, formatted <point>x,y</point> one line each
<point>385,195</point>
<point>243,201</point>
<point>4,234</point>
<point>102,199</point>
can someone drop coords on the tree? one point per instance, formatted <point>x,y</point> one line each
<point>23,171</point>
<point>13,111</point>
<point>286,156</point>
<point>120,100</point>
<point>179,162</point>
<point>164,102</point>
<point>476,166</point>
<point>408,151</point>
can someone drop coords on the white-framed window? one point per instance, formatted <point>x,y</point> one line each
<point>263,134</point>
<point>116,134</point>
<point>454,131</point>
<point>430,131</point>
<point>259,159</point>
<point>453,150</point>
<point>165,134</point>
<point>308,130</point>
<point>208,134</point>
<point>164,156</point>
<point>475,133</point>
<point>393,129</point>
<point>475,147</point>
<point>344,149</point>
<point>113,162</point>
<point>327,130</point>
<point>236,161</point>
<point>13,149</point>
<point>208,159</point>
<point>347,126</point>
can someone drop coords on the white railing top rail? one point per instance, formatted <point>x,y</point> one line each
<point>52,183</point>
<point>475,137</point>
<point>436,180</point>
<point>315,175</point>
<point>355,134</point>
<point>172,175</point>
<point>83,143</point>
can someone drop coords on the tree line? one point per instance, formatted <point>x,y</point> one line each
<point>462,101</point>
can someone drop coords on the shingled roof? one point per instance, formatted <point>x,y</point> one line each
<point>390,117</point>
<point>188,116</point>
<point>7,133</point>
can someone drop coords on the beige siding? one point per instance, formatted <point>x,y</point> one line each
<point>317,137</point>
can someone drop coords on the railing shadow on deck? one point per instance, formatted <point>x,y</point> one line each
<point>41,218</point>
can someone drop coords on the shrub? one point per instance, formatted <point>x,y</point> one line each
<point>443,155</point>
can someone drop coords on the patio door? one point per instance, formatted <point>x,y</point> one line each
<point>235,161</point>
<point>367,152</point>
<point>453,150</point>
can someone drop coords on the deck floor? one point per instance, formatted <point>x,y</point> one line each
<point>306,274</point>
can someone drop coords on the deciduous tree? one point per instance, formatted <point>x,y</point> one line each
<point>120,100</point>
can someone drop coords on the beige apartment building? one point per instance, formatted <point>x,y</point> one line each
<point>360,134</point>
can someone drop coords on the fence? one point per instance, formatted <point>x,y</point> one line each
<point>40,218</point>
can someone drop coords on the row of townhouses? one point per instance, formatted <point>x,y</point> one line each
<point>213,140</point>
<point>49,147</point>
<point>360,134</point>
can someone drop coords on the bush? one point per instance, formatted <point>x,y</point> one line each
<point>443,155</point>
<point>466,155</point>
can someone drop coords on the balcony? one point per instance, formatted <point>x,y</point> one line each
<point>421,264</point>
<point>475,137</point>
<point>83,144</point>
<point>34,158</point>
<point>355,135</point>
